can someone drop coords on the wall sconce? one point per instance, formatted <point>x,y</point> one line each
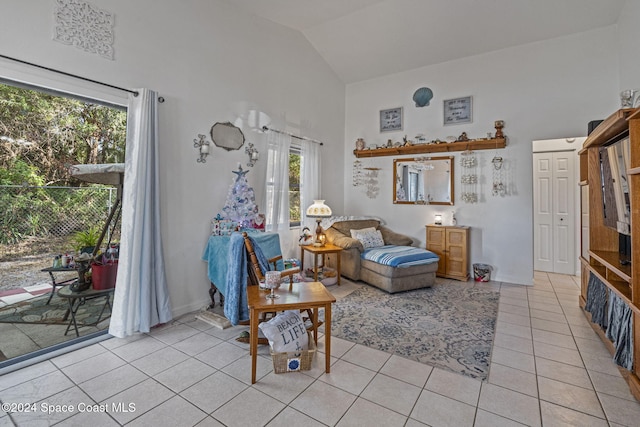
<point>203,147</point>
<point>438,219</point>
<point>253,154</point>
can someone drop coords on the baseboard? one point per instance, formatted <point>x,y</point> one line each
<point>513,280</point>
<point>189,308</point>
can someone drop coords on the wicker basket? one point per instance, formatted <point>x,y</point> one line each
<point>294,361</point>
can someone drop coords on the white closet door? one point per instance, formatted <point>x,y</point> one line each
<point>543,212</point>
<point>554,212</point>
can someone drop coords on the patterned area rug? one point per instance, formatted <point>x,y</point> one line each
<point>36,310</point>
<point>449,325</point>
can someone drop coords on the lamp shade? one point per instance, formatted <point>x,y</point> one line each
<point>318,210</point>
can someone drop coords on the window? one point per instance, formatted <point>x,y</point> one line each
<point>42,133</point>
<point>295,212</point>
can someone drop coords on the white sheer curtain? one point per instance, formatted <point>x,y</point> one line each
<point>310,180</point>
<point>141,299</point>
<point>277,188</point>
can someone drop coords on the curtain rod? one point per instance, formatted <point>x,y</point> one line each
<point>304,138</point>
<point>160,99</point>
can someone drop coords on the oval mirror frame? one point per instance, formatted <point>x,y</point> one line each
<point>423,181</point>
<point>226,135</point>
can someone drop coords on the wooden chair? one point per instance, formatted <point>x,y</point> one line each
<point>256,276</point>
<point>255,273</point>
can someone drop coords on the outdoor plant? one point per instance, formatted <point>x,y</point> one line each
<point>86,239</point>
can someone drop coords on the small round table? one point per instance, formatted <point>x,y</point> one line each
<point>76,299</point>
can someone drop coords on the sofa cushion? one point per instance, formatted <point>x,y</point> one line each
<point>394,272</point>
<point>345,242</point>
<point>392,238</point>
<point>345,227</point>
<point>400,256</point>
<point>369,237</point>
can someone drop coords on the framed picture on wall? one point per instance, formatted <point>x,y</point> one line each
<point>391,119</point>
<point>458,110</point>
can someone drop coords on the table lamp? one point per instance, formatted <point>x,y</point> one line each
<point>319,210</point>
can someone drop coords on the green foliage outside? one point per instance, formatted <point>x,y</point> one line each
<point>295,215</point>
<point>41,135</point>
<point>87,238</point>
<point>49,133</point>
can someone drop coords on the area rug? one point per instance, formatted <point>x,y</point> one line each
<point>36,310</point>
<point>450,325</point>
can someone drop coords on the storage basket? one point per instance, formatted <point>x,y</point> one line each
<point>294,361</point>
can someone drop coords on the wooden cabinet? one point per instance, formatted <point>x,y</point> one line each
<point>451,244</point>
<point>600,242</point>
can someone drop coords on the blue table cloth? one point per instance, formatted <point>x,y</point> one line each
<point>216,254</point>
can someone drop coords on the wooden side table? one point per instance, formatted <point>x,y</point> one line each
<point>317,251</point>
<point>302,295</point>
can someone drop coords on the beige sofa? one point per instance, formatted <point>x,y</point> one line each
<point>390,279</point>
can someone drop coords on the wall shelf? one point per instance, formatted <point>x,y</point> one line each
<point>472,144</point>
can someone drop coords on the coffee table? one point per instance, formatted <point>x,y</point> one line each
<point>299,296</point>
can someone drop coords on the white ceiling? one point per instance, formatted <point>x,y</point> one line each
<point>364,39</point>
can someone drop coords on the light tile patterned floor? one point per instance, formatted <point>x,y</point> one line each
<point>548,368</point>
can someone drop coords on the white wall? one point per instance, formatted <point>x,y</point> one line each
<point>629,50</point>
<point>544,90</point>
<point>211,63</point>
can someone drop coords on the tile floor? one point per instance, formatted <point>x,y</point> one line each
<point>22,294</point>
<point>548,368</point>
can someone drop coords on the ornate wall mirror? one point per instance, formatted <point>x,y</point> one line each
<point>423,180</point>
<point>226,135</point>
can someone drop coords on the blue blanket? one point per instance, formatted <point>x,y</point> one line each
<point>399,256</point>
<point>216,253</point>
<point>236,306</point>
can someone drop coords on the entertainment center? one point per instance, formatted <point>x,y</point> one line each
<point>610,189</point>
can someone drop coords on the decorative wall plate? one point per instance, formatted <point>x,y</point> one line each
<point>422,96</point>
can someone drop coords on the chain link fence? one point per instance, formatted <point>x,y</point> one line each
<point>32,218</point>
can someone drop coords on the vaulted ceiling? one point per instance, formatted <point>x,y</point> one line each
<point>364,39</point>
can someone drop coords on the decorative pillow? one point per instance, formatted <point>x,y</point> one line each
<point>286,332</point>
<point>370,237</point>
<point>345,226</point>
